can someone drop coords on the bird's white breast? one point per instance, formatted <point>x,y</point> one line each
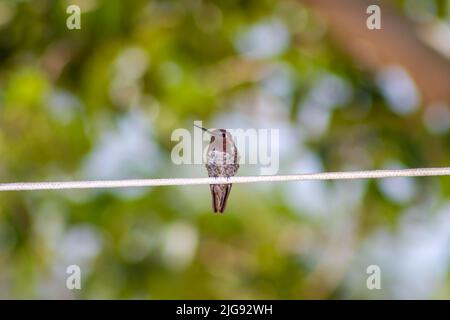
<point>220,158</point>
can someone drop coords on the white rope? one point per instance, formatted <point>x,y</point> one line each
<point>371,174</point>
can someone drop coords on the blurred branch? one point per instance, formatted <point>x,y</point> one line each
<point>396,43</point>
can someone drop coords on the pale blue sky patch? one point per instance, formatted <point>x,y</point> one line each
<point>263,40</point>
<point>399,90</point>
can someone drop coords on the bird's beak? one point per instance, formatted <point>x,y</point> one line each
<point>206,130</point>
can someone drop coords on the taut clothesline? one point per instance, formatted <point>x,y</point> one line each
<point>345,175</point>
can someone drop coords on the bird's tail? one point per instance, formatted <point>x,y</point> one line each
<point>220,193</point>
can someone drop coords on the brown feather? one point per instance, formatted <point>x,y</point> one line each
<point>220,193</point>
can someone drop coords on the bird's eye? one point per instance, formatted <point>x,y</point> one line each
<point>213,138</point>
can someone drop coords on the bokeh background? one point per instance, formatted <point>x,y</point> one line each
<point>102,102</point>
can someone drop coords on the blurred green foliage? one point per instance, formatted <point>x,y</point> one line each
<point>136,71</point>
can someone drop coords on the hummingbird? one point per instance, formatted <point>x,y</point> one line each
<point>222,161</point>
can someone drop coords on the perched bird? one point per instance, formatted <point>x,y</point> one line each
<point>222,161</point>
